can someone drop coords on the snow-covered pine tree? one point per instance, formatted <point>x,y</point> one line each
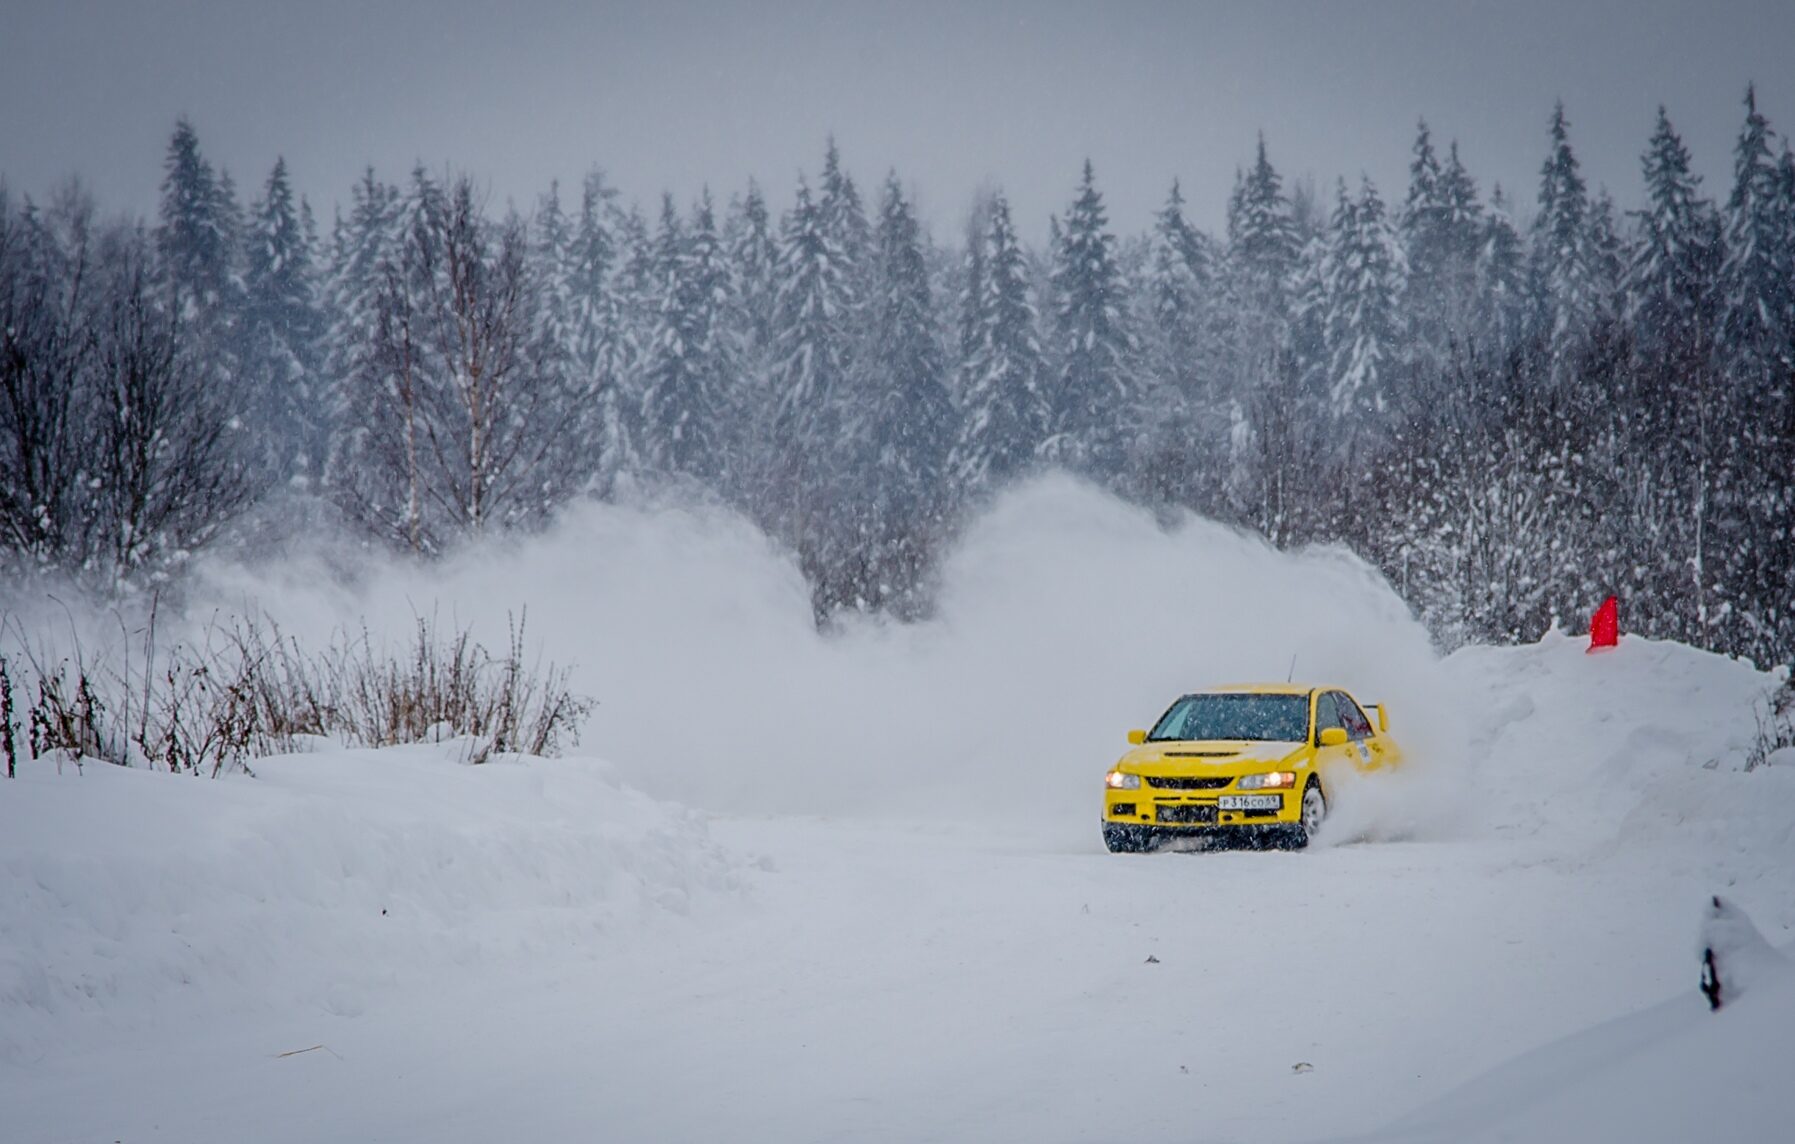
<point>754,262</point>
<point>551,257</point>
<point>1607,256</point>
<point>197,236</point>
<point>815,306</point>
<point>1785,209</point>
<point>1675,412</point>
<point>751,260</point>
<point>1755,289</point>
<point>1006,410</point>
<point>716,353</point>
<point>1363,276</point>
<point>283,337</point>
<point>895,493</point>
<point>551,246</point>
<point>1564,279</point>
<point>1263,248</point>
<point>1671,271</point>
<point>1754,537</point>
<point>1441,230</point>
<point>1462,214</point>
<point>1184,438</point>
<point>911,424</point>
<point>1427,244</point>
<point>1180,275</point>
<point>971,295</point>
<point>1095,407</point>
<point>593,310</point>
<point>1464,234</point>
<point>1259,368</point>
<point>843,219</point>
<point>1306,341</point>
<point>667,377</point>
<point>352,288</point>
<point>384,389</point>
<point>807,479</point>
<point>1422,217</point>
<point>596,350</point>
<point>1504,305</point>
<point>198,246</point>
<point>682,399</point>
<point>633,286</point>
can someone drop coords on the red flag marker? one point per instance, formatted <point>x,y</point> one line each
<point>1604,626</point>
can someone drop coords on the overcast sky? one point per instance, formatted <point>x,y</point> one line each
<point>955,96</point>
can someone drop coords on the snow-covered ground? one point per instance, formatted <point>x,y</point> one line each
<point>863,896</point>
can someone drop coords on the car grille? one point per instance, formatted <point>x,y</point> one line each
<point>1170,783</point>
<point>1185,812</point>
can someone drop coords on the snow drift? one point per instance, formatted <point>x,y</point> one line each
<point>318,885</point>
<point>1641,751</point>
<point>1671,1072</point>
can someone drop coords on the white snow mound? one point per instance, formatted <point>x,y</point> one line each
<point>1674,1072</point>
<point>1643,746</point>
<point>320,883</point>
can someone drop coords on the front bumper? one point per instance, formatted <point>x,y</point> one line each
<point>1173,810</point>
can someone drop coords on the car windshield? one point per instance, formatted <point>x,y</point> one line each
<point>1235,715</point>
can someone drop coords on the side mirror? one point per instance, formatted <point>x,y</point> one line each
<point>1383,719</point>
<point>1333,736</point>
<point>1137,737</point>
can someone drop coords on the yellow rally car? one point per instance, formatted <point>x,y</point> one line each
<point>1252,762</point>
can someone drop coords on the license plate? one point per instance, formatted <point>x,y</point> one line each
<point>1185,812</point>
<point>1251,801</point>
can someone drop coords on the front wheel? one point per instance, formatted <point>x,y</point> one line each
<point>1121,838</point>
<point>1315,811</point>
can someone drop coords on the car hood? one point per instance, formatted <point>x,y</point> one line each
<point>1210,756</point>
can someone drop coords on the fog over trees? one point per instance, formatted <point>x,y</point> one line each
<point>1513,401</point>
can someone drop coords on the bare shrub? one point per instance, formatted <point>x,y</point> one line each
<point>442,684</point>
<point>1776,726</point>
<point>66,716</point>
<point>245,691</point>
<point>8,747</point>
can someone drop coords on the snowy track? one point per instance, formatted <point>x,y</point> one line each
<point>885,982</point>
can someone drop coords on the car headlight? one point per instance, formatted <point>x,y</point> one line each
<point>1116,780</point>
<point>1271,781</point>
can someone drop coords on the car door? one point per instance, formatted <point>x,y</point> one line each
<point>1363,743</point>
<point>1327,714</point>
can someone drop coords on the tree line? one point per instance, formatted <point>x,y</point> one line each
<point>1509,417</point>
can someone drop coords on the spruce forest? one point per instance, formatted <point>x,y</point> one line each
<point>1512,401</point>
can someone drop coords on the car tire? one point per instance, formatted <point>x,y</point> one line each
<point>1121,838</point>
<point>1313,812</point>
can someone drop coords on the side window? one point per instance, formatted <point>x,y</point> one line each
<point>1326,713</point>
<point>1351,717</point>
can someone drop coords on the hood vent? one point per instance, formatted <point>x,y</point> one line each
<point>1201,754</point>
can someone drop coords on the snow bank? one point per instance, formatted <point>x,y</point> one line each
<point>1673,1072</point>
<point>320,885</point>
<point>1637,750</point>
